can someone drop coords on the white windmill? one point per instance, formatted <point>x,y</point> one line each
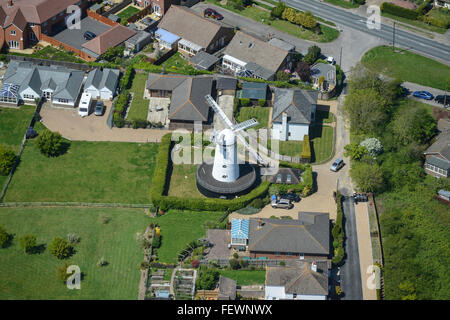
<point>226,166</point>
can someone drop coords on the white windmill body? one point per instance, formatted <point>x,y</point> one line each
<point>226,167</point>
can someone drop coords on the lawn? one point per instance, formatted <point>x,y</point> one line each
<point>291,148</point>
<point>183,182</point>
<point>407,66</point>
<point>261,114</point>
<point>101,172</point>
<point>14,124</point>
<point>245,277</point>
<point>324,117</point>
<point>343,3</point>
<point>415,23</point>
<point>139,105</point>
<point>34,276</point>
<point>52,53</point>
<point>177,63</point>
<point>327,34</point>
<point>178,228</point>
<point>127,13</point>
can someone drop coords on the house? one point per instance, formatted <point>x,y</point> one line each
<point>226,86</point>
<point>442,3</point>
<point>137,42</point>
<point>97,8</point>
<point>304,238</point>
<point>293,112</point>
<point>204,61</point>
<point>112,38</point>
<point>254,91</point>
<point>248,56</point>
<point>239,232</point>
<point>299,280</point>
<point>437,156</point>
<point>196,33</point>
<point>444,194</point>
<point>23,22</point>
<point>287,176</point>
<point>286,46</point>
<point>102,84</point>
<point>323,77</point>
<point>159,7</point>
<point>24,82</point>
<point>187,98</point>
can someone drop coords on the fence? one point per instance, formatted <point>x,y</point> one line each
<point>102,19</point>
<point>259,263</point>
<point>83,55</point>
<point>378,241</point>
<point>116,8</point>
<point>140,14</point>
<point>46,62</point>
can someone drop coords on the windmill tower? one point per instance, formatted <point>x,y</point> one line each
<point>226,167</point>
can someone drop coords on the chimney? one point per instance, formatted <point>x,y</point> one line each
<point>314,266</point>
<point>10,3</point>
<point>284,130</point>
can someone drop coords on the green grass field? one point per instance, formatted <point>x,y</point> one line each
<point>33,276</point>
<point>245,277</point>
<point>127,13</point>
<point>176,62</point>
<point>407,66</point>
<point>178,228</point>
<point>415,23</point>
<point>14,124</point>
<point>259,113</point>
<point>89,172</point>
<point>180,186</point>
<point>139,105</point>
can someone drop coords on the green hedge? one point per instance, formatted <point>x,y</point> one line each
<point>338,233</point>
<point>306,150</point>
<point>127,79</point>
<point>399,11</point>
<point>160,178</point>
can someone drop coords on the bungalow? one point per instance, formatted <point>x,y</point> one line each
<point>196,33</point>
<point>287,176</point>
<point>24,82</point>
<point>307,237</point>
<point>323,76</point>
<point>293,112</point>
<point>437,156</point>
<point>442,3</point>
<point>102,84</point>
<point>248,56</point>
<point>298,280</point>
<point>187,98</point>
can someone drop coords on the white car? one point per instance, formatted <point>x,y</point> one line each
<point>331,60</point>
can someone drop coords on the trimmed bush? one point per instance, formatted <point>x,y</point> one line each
<point>306,150</point>
<point>60,248</point>
<point>27,242</point>
<point>261,102</point>
<point>338,233</point>
<point>245,102</point>
<point>127,79</point>
<point>50,143</point>
<point>7,160</point>
<point>399,11</point>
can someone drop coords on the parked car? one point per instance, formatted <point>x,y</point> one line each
<point>31,133</point>
<point>443,99</point>
<point>211,13</point>
<point>423,95</point>
<point>337,164</point>
<point>282,204</point>
<point>99,108</point>
<point>331,60</point>
<point>360,197</point>
<point>291,196</point>
<point>89,35</point>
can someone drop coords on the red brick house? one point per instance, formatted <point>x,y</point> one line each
<point>158,6</point>
<point>22,22</point>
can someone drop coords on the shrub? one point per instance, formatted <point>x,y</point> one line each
<point>243,263</point>
<point>398,11</point>
<point>195,264</point>
<point>119,122</point>
<point>261,102</point>
<point>312,55</point>
<point>28,243</point>
<point>144,265</point>
<point>139,123</point>
<point>234,264</point>
<point>245,102</point>
<point>61,272</point>
<point>50,143</point>
<point>373,146</point>
<point>278,10</point>
<point>257,203</point>
<point>7,160</point>
<point>207,278</point>
<point>60,248</point>
<point>104,219</point>
<point>102,262</point>
<point>282,263</point>
<point>306,150</point>
<point>127,78</point>
<point>5,237</point>
<point>156,242</point>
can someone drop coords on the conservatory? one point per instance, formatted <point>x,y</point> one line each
<point>10,93</point>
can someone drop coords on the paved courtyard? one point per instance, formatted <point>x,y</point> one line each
<point>74,37</point>
<point>219,239</point>
<point>158,110</point>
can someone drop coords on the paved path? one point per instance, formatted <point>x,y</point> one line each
<point>93,128</point>
<point>364,248</point>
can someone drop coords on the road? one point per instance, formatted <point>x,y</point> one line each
<point>354,21</point>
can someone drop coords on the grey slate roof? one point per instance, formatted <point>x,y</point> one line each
<point>281,44</point>
<point>438,162</point>
<point>108,78</point>
<point>139,37</point>
<point>441,146</point>
<point>309,234</point>
<point>284,172</point>
<point>260,71</point>
<point>227,288</point>
<point>298,278</point>
<point>298,104</point>
<point>64,82</point>
<point>167,82</point>
<point>226,83</point>
<point>328,71</point>
<point>203,60</point>
<point>253,90</point>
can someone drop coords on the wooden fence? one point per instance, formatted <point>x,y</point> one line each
<point>117,7</point>
<point>141,14</point>
<point>83,55</point>
<point>102,19</point>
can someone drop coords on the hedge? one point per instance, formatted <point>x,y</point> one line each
<point>164,202</point>
<point>127,78</point>
<point>306,150</point>
<point>338,233</point>
<point>399,11</point>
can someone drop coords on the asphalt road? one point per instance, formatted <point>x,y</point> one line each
<point>346,18</point>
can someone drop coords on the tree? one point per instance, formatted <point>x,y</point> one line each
<point>283,76</point>
<point>414,125</point>
<point>234,264</point>
<point>312,55</point>
<point>304,71</point>
<point>355,151</point>
<point>373,146</point>
<point>5,237</point>
<point>60,248</point>
<point>368,177</point>
<point>27,242</point>
<point>207,279</point>
<point>50,143</point>
<point>238,4</point>
<point>7,160</point>
<point>289,15</point>
<point>309,22</point>
<point>278,10</point>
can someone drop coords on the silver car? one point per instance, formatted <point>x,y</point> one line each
<point>282,204</point>
<point>337,164</point>
<point>99,108</point>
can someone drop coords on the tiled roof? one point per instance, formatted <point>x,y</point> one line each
<point>111,38</point>
<point>298,104</point>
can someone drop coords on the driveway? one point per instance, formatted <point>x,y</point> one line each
<point>417,87</point>
<point>93,128</point>
<point>74,37</point>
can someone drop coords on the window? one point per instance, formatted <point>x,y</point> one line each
<point>294,295</point>
<point>302,256</point>
<point>63,100</point>
<point>28,96</point>
<point>54,18</point>
<point>278,178</point>
<point>13,32</point>
<point>288,178</point>
<point>32,25</point>
<point>14,44</point>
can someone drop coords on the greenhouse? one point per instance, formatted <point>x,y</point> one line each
<point>10,93</point>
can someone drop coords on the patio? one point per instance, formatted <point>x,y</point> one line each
<point>158,110</point>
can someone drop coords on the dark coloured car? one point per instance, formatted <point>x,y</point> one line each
<point>290,196</point>
<point>31,133</point>
<point>211,13</point>
<point>445,100</point>
<point>423,95</point>
<point>360,197</point>
<point>99,108</point>
<point>88,35</point>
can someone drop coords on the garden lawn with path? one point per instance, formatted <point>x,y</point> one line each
<point>407,66</point>
<point>178,228</point>
<point>33,276</point>
<point>261,114</point>
<point>127,13</point>
<point>139,105</point>
<point>101,172</point>
<point>177,63</point>
<point>245,277</point>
